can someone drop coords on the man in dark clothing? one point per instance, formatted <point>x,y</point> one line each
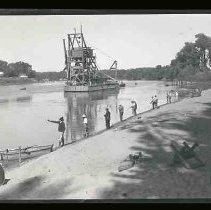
<point>153,102</point>
<point>134,107</point>
<point>121,112</point>
<point>61,129</point>
<point>167,97</point>
<point>107,116</point>
<point>170,97</point>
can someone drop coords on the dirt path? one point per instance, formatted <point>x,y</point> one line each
<point>89,169</point>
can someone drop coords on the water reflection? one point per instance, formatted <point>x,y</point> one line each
<point>92,104</point>
<point>24,98</point>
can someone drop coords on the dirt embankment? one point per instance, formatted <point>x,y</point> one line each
<point>88,169</point>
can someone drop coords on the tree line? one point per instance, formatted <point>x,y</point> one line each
<point>16,69</point>
<point>23,68</point>
<point>192,62</point>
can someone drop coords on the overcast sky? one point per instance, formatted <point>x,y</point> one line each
<point>133,40</point>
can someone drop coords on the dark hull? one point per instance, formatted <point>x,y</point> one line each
<point>87,88</point>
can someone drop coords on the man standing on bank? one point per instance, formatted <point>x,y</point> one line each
<point>167,97</point>
<point>176,95</point>
<point>85,122</point>
<point>153,102</point>
<point>107,116</point>
<point>61,129</point>
<point>170,95</point>
<point>134,107</point>
<point>121,112</point>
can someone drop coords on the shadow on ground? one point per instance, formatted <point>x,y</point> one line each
<point>33,188</point>
<point>155,178</point>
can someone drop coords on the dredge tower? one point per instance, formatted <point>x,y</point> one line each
<point>83,75</point>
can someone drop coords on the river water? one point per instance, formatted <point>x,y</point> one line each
<point>24,113</point>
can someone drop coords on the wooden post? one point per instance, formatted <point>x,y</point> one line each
<point>19,155</point>
<point>7,154</point>
<point>51,149</point>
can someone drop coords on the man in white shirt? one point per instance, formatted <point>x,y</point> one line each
<point>152,102</point>
<point>156,102</point>
<point>85,122</point>
<point>176,95</point>
<point>134,107</point>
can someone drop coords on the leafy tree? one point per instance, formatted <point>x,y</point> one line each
<point>187,56</point>
<point>203,44</point>
<point>3,66</point>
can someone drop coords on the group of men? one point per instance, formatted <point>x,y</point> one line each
<point>169,96</point>
<point>154,102</point>
<point>62,128</point>
<point>107,115</point>
<point>133,108</point>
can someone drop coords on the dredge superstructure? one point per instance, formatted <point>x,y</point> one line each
<point>83,75</point>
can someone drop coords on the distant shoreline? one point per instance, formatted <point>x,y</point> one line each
<point>4,81</point>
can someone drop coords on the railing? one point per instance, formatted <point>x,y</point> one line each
<point>23,153</point>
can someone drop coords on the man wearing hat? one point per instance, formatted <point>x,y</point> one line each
<point>85,122</point>
<point>107,116</point>
<point>134,107</point>
<point>156,101</point>
<point>121,112</point>
<point>61,129</point>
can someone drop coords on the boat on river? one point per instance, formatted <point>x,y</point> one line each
<point>83,74</point>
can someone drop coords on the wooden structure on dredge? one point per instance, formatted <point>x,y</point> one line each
<point>83,75</point>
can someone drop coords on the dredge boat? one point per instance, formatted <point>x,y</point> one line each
<point>83,75</point>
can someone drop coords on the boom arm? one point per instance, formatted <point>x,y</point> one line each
<point>114,65</point>
<point>65,51</point>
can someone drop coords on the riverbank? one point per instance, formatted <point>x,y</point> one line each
<point>16,81</point>
<point>89,168</point>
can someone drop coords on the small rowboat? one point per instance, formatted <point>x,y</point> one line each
<point>24,153</point>
<point>23,98</point>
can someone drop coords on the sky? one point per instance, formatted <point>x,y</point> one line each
<point>133,40</point>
